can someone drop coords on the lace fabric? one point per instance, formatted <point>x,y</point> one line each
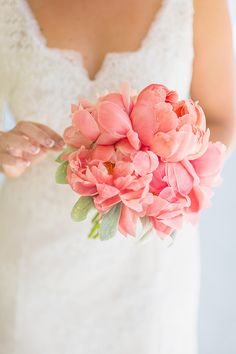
<point>60,292</point>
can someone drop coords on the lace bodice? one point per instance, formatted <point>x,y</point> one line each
<point>49,269</point>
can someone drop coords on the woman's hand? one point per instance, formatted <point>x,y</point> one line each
<point>26,144</point>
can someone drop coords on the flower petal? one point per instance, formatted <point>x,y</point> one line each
<point>86,124</point>
<point>74,138</point>
<point>127,221</point>
<point>113,119</point>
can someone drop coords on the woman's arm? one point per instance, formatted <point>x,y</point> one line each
<point>213,82</point>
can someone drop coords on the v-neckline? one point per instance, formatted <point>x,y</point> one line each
<point>77,55</point>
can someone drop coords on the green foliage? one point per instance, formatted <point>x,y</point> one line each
<point>81,208</point>
<point>61,173</point>
<point>147,229</point>
<point>109,223</point>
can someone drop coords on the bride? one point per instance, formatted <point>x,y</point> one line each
<point>60,292</point>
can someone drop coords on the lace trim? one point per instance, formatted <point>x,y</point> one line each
<point>40,39</point>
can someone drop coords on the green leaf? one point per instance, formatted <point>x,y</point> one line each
<point>67,150</point>
<point>147,229</point>
<point>145,222</point>
<point>96,225</point>
<point>96,236</point>
<point>94,229</point>
<point>145,235</point>
<point>81,208</point>
<point>109,223</point>
<point>172,236</point>
<point>61,173</point>
<point>95,218</point>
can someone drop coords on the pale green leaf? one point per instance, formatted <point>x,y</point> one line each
<point>61,173</point>
<point>146,231</point>
<point>95,218</point>
<point>94,229</point>
<point>145,235</point>
<point>81,208</point>
<point>109,223</point>
<point>172,237</point>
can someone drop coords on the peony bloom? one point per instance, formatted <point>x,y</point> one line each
<point>84,129</point>
<point>166,213</point>
<point>173,130</point>
<point>209,165</point>
<point>171,185</point>
<point>73,137</point>
<point>104,123</point>
<point>188,142</point>
<point>145,117</point>
<point>96,172</point>
<point>208,168</point>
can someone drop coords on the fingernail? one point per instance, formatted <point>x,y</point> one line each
<point>23,163</point>
<point>61,142</point>
<point>35,149</point>
<point>49,142</point>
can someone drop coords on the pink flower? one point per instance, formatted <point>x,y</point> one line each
<point>200,197</point>
<point>209,165</point>
<point>92,172</point>
<point>156,93</point>
<point>127,221</point>
<point>166,213</point>
<point>84,129</point>
<point>73,137</point>
<point>137,195</point>
<point>77,174</point>
<point>180,176</point>
<point>176,186</point>
<point>124,98</point>
<point>115,125</point>
<point>189,112</point>
<point>207,168</point>
<point>173,130</point>
<point>84,122</point>
<point>188,142</point>
<point>105,122</point>
<point>151,111</point>
<point>145,162</point>
<point>132,190</point>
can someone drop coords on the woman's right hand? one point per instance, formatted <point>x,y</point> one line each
<point>26,144</point>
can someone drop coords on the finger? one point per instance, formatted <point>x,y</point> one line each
<point>11,142</point>
<point>8,159</point>
<point>13,171</point>
<point>55,136</point>
<point>35,133</point>
<point>35,159</point>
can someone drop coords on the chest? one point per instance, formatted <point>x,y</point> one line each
<point>94,28</point>
<point>48,79</point>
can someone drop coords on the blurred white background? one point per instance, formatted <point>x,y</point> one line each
<point>217,318</point>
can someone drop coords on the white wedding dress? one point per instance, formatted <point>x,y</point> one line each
<point>60,292</point>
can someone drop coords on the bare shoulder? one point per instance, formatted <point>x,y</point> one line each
<point>213,67</point>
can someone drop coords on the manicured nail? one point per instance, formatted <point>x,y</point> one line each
<point>35,149</point>
<point>49,142</point>
<point>23,163</point>
<point>61,142</point>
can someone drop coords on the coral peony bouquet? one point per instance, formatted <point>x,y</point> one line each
<point>139,158</point>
